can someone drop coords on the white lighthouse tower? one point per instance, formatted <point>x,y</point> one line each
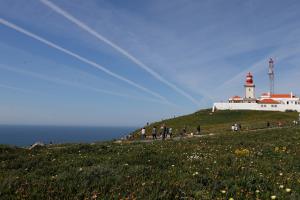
<point>249,88</point>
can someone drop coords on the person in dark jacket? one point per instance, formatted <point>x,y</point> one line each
<point>198,129</point>
<point>165,132</point>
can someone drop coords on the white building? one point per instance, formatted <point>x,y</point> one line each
<point>266,102</point>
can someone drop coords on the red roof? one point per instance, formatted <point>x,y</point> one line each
<point>265,94</point>
<point>236,97</point>
<point>271,101</point>
<point>280,95</point>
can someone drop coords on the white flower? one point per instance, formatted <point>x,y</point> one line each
<point>280,174</point>
<point>195,173</point>
<point>223,191</point>
<point>257,191</point>
<point>288,190</point>
<point>173,165</point>
<point>80,169</point>
<point>273,197</point>
<point>281,186</point>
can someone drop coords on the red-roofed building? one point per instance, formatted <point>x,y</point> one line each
<point>282,95</point>
<point>266,102</point>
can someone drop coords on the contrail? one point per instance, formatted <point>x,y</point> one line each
<point>118,48</point>
<point>15,88</point>
<point>85,60</point>
<point>73,84</point>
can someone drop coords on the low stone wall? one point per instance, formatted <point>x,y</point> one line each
<point>255,106</point>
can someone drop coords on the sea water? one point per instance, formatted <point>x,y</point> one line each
<point>27,135</point>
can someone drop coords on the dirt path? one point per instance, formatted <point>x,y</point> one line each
<point>149,140</point>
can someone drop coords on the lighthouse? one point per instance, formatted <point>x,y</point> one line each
<point>249,87</point>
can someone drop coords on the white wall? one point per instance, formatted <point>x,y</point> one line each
<point>255,106</point>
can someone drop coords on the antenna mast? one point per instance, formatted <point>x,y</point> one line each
<point>271,75</point>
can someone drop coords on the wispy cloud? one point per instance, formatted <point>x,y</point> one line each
<point>55,46</point>
<point>77,85</point>
<point>5,86</point>
<point>118,48</point>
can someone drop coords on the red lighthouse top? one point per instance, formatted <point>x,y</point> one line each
<point>249,79</point>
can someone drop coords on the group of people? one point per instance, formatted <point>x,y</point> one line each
<point>165,132</point>
<point>236,127</point>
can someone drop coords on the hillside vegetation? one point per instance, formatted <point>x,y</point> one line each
<point>257,164</point>
<point>221,121</point>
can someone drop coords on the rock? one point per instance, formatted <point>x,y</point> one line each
<point>37,144</point>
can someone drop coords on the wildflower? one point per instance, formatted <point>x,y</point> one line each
<point>283,148</point>
<point>281,186</point>
<point>195,173</point>
<point>80,169</point>
<point>273,197</point>
<point>288,190</point>
<point>143,184</point>
<point>257,191</point>
<point>126,164</point>
<point>223,191</point>
<point>173,165</point>
<point>280,174</point>
<point>242,152</point>
<point>231,198</point>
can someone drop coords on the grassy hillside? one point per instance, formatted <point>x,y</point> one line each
<point>221,121</point>
<point>244,165</point>
<point>259,164</point>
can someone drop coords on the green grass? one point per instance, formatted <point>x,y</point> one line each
<point>239,164</point>
<point>221,121</point>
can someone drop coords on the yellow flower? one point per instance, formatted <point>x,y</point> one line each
<point>242,152</point>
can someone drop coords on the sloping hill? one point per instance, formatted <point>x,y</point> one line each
<point>258,165</point>
<point>221,121</point>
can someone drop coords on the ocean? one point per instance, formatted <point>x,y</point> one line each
<point>27,135</point>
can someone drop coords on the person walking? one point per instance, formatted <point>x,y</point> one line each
<point>184,131</point>
<point>161,130</point>
<point>268,124</point>
<point>143,135</point>
<point>170,132</point>
<point>154,133</point>
<point>232,127</point>
<point>198,130</point>
<point>164,132</point>
<point>236,127</point>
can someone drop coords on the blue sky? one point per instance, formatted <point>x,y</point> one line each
<point>129,62</point>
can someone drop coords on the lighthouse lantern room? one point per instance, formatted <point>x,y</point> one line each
<point>249,88</point>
